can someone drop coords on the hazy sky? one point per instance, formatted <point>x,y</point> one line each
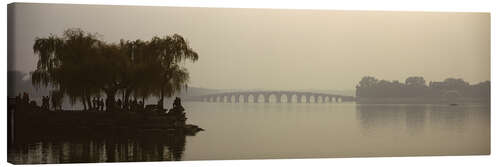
<point>280,49</point>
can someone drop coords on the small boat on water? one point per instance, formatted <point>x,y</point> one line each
<point>453,104</point>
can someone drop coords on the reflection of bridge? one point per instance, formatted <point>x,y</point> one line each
<point>272,96</point>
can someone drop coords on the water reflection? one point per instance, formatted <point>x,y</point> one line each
<point>412,117</point>
<point>415,118</point>
<point>450,118</point>
<point>146,147</point>
<point>379,116</point>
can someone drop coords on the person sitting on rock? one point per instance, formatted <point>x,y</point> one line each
<point>177,108</point>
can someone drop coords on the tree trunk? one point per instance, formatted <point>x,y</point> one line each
<point>127,96</point>
<point>89,100</point>
<point>110,99</point>
<point>161,98</point>
<point>84,104</point>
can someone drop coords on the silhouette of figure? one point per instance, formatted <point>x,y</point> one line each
<point>26,98</point>
<point>56,103</point>
<point>94,102</point>
<point>119,103</point>
<point>141,105</point>
<point>160,104</point>
<point>101,104</point>
<point>33,103</point>
<point>177,108</point>
<point>45,102</point>
<point>109,104</point>
<point>134,105</point>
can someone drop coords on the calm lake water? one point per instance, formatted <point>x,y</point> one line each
<point>263,131</point>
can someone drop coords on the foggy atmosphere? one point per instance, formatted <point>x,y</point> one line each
<point>94,83</point>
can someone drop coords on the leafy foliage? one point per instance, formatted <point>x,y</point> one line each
<point>417,87</point>
<point>81,66</point>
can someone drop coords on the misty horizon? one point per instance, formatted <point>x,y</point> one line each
<point>249,49</point>
<point>101,83</point>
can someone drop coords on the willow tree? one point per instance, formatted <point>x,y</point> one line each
<point>81,66</point>
<point>170,51</point>
<point>65,63</point>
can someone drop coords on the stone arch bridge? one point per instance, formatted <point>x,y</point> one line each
<point>272,96</point>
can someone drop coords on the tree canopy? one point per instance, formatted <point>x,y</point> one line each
<point>416,86</point>
<point>81,66</point>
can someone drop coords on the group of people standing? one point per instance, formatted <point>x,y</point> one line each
<point>98,104</point>
<point>24,100</point>
<point>45,102</point>
<point>130,105</point>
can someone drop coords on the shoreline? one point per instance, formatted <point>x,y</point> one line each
<point>421,100</point>
<point>26,123</point>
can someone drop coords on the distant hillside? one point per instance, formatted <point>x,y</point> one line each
<point>194,91</point>
<point>19,82</point>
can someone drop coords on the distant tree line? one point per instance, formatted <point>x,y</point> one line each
<point>417,87</point>
<point>81,66</point>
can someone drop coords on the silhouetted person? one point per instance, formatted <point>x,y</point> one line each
<point>160,104</point>
<point>119,103</point>
<point>141,105</point>
<point>177,108</point>
<point>109,104</point>
<point>45,103</point>
<point>26,98</point>
<point>134,105</point>
<point>56,102</point>
<point>33,103</point>
<point>94,102</point>
<point>101,104</point>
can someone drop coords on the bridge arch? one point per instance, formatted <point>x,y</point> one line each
<point>251,96</point>
<point>327,99</point>
<point>319,99</point>
<point>232,99</point>
<point>261,96</point>
<point>224,99</point>
<point>311,99</point>
<point>240,98</point>
<point>294,98</point>
<point>274,97</point>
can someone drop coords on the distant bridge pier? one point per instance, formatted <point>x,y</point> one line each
<point>278,98</point>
